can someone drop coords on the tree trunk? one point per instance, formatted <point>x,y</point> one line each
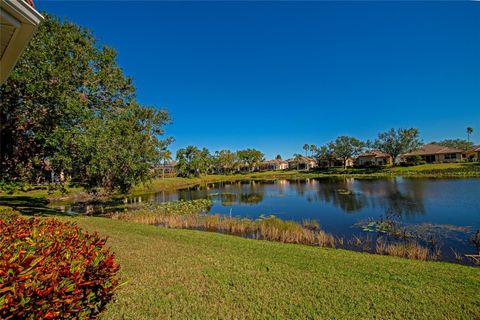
<point>163,169</point>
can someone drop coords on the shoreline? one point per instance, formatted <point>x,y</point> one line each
<point>429,171</point>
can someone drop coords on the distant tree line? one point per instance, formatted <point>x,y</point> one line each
<point>192,161</point>
<point>393,142</point>
<point>68,112</point>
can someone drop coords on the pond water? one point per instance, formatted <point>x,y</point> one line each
<point>340,204</point>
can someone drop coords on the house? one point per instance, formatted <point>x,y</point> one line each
<point>334,162</point>
<point>276,164</point>
<point>435,153</point>
<point>374,158</point>
<point>302,163</point>
<point>167,169</point>
<point>18,20</point>
<point>473,154</point>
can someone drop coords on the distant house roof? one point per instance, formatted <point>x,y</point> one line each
<point>168,164</point>
<point>475,149</point>
<point>374,153</point>
<point>433,149</point>
<point>275,161</point>
<point>302,160</point>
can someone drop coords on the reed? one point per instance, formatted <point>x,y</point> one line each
<point>326,240</point>
<point>311,224</point>
<point>410,250</point>
<point>458,256</point>
<point>192,215</point>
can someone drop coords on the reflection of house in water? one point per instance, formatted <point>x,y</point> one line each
<point>398,196</point>
<point>339,193</point>
<point>251,198</point>
<point>228,199</point>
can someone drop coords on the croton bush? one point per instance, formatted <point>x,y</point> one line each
<point>51,269</point>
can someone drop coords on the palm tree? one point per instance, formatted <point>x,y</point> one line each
<point>165,156</point>
<point>469,132</point>
<point>306,147</point>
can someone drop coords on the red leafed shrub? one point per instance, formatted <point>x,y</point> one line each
<point>51,269</point>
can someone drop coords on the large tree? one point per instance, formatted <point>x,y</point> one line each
<point>396,142</point>
<point>250,158</point>
<point>324,153</point>
<point>345,147</point>
<point>68,109</point>
<point>226,161</point>
<point>192,161</point>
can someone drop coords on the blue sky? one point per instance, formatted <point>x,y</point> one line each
<point>276,75</point>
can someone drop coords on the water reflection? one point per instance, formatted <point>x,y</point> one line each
<point>337,204</point>
<point>340,193</point>
<point>397,196</point>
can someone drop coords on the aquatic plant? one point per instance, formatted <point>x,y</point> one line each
<point>191,215</point>
<point>155,214</point>
<point>476,240</point>
<point>458,256</point>
<point>311,224</point>
<point>410,250</point>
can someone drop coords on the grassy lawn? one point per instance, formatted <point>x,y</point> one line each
<point>470,166</point>
<point>188,274</point>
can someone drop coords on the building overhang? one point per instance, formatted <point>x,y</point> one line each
<point>18,22</point>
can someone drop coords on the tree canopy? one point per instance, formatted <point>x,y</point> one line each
<point>250,157</point>
<point>345,147</point>
<point>191,161</point>
<point>396,142</point>
<point>68,109</point>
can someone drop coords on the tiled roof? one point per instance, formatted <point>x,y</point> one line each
<point>475,149</point>
<point>303,159</point>
<point>30,2</point>
<point>433,149</point>
<point>275,161</point>
<point>374,153</point>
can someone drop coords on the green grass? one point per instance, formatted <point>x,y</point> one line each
<point>460,166</point>
<point>188,274</point>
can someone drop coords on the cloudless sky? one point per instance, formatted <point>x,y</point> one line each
<point>276,75</point>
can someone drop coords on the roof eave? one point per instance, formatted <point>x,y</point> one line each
<point>25,19</point>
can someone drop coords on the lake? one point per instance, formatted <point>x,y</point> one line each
<point>340,205</point>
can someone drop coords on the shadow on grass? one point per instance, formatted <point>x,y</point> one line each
<point>30,205</point>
